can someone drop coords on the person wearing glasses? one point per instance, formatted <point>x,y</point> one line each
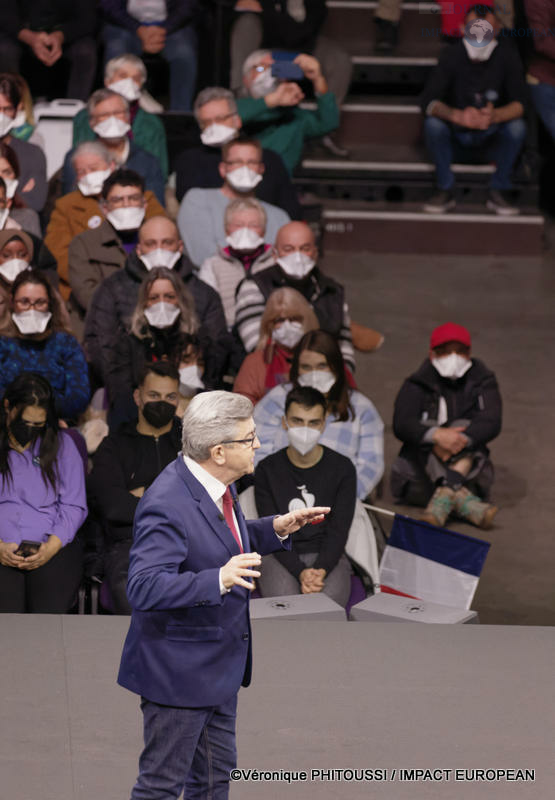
<point>110,119</point>
<point>42,502</point>
<point>191,569</point>
<point>35,339</point>
<point>215,111</point>
<point>201,213</point>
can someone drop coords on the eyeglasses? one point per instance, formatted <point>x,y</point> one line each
<point>116,201</point>
<point>205,123</point>
<point>41,304</point>
<point>249,442</point>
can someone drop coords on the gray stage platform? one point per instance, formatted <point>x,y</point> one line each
<point>326,695</point>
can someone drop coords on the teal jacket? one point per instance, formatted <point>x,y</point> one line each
<point>148,133</point>
<point>284,129</point>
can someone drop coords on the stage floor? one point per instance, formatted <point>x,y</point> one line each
<point>395,710</point>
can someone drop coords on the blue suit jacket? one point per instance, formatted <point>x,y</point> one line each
<point>187,644</point>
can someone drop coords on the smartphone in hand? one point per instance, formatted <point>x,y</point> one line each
<point>27,548</point>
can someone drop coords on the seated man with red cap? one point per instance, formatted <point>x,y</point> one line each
<point>445,414</point>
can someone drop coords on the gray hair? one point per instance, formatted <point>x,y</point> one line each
<point>211,418</point>
<point>95,148</point>
<point>121,61</point>
<point>254,59</point>
<point>103,94</point>
<point>244,204</point>
<point>214,93</point>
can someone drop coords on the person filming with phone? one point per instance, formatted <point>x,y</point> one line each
<point>271,111</point>
<point>42,502</point>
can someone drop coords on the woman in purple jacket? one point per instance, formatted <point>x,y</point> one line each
<point>42,502</point>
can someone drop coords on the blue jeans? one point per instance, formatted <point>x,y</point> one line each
<point>180,52</point>
<point>543,95</point>
<point>192,748</point>
<point>503,142</point>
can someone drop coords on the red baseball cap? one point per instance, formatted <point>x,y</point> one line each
<point>449,332</point>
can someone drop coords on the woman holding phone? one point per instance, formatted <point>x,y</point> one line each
<point>42,502</point>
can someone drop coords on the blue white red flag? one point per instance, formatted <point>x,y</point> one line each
<point>432,564</point>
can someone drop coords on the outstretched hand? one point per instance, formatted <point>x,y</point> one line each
<point>291,522</point>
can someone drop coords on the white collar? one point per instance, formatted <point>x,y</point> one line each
<point>213,486</point>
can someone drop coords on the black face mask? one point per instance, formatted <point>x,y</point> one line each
<point>158,413</point>
<point>24,433</point>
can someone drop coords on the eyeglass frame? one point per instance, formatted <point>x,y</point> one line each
<point>249,441</point>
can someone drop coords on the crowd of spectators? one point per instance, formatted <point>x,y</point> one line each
<point>131,281</point>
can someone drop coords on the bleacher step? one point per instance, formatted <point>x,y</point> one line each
<point>405,228</point>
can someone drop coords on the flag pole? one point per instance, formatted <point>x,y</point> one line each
<point>385,511</point>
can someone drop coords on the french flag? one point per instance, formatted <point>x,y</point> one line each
<point>432,564</point>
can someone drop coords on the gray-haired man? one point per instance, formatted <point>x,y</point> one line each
<point>188,648</point>
<point>215,111</point>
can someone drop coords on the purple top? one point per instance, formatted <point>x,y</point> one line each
<point>31,509</point>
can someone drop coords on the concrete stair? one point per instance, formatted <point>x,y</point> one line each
<point>404,228</point>
<point>351,23</point>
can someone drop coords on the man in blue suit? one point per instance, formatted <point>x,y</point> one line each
<point>188,649</point>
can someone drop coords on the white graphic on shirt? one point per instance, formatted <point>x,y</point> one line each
<point>307,502</point>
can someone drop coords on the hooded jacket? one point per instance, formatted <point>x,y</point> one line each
<point>126,460</point>
<point>474,397</point>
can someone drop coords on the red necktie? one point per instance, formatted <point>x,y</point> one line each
<point>228,514</point>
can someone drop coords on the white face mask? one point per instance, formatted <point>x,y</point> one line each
<point>127,88</point>
<point>92,183</point>
<point>288,333</point>
<point>244,239</point>
<point>303,439</point>
<point>126,218</point>
<point>320,379</point>
<point>216,135</point>
<point>160,258</point>
<point>297,264</point>
<point>162,315</point>
<point>11,269</point>
<point>190,380</point>
<point>11,186</point>
<point>6,124</point>
<point>112,128</point>
<point>479,53</point>
<point>263,84</point>
<point>31,321</point>
<point>243,179</point>
<point>452,366</point>
<point>4,214</point>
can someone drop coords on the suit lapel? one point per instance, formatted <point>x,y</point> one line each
<point>209,509</point>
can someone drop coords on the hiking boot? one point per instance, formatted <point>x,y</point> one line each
<point>501,203</point>
<point>472,509</point>
<point>440,506</point>
<point>440,202</point>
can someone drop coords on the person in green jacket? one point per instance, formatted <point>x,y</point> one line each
<point>271,112</point>
<point>126,75</point>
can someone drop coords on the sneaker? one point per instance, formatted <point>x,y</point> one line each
<point>440,203</point>
<point>333,148</point>
<point>387,34</point>
<point>440,506</point>
<point>501,203</point>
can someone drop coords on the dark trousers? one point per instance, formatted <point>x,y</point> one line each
<point>80,55</point>
<point>50,589</point>
<point>192,748</point>
<point>116,566</point>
